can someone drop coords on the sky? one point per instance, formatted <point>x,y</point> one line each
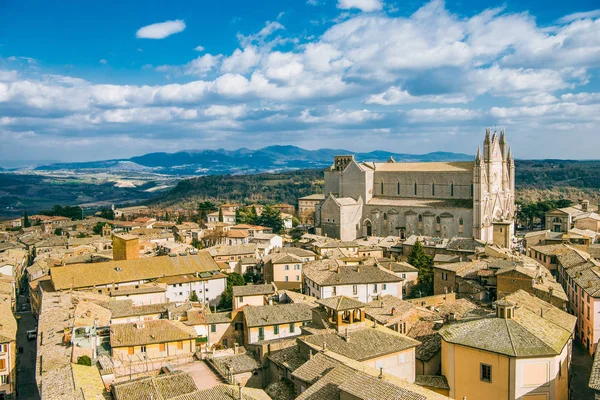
<point>82,80</point>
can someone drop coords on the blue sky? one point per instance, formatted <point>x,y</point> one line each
<point>86,80</point>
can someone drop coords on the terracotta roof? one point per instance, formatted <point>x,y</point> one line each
<point>277,314</point>
<point>237,363</point>
<point>240,249</point>
<point>325,273</point>
<point>218,318</point>
<point>341,303</point>
<point>362,344</point>
<point>594,382</point>
<point>8,323</point>
<point>228,392</point>
<point>125,308</point>
<point>357,384</point>
<point>254,290</point>
<point>161,387</point>
<point>537,329</point>
<point>149,332</point>
<point>432,381</point>
<point>237,234</point>
<point>288,358</point>
<point>105,273</point>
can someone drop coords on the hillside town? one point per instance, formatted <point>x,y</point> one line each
<point>399,281</point>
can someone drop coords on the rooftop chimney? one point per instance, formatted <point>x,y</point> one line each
<point>380,373</point>
<point>585,205</point>
<point>393,310</point>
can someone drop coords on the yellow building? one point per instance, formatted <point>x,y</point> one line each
<point>522,353</point>
<point>152,339</point>
<point>125,247</point>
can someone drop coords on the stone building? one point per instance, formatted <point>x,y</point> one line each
<point>444,199</point>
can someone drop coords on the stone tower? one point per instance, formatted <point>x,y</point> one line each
<point>494,191</point>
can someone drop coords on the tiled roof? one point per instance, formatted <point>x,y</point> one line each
<point>381,310</point>
<point>398,267</point>
<point>8,323</point>
<point>325,273</point>
<point>317,196</point>
<point>292,250</point>
<point>149,332</point>
<point>228,392</point>
<point>237,363</point>
<point>455,166</point>
<point>426,333</point>
<point>161,387</point>
<point>433,381</point>
<point>295,297</point>
<point>594,382</point>
<point>105,273</point>
<point>277,314</point>
<point>218,318</point>
<point>537,329</point>
<point>357,384</point>
<point>254,290</point>
<point>341,303</point>
<point>125,308</point>
<point>283,258</point>
<point>572,258</point>
<point>288,358</point>
<point>362,344</point>
<point>315,368</point>
<point>240,249</point>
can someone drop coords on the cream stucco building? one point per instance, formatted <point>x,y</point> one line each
<point>522,353</point>
<point>444,199</point>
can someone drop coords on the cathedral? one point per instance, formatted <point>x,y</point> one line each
<point>440,199</point>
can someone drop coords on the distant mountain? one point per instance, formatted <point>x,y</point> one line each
<point>242,161</point>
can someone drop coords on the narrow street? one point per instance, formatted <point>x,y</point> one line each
<point>581,366</point>
<point>26,385</point>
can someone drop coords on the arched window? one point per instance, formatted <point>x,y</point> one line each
<point>437,220</point>
<point>452,190</point>
<point>415,188</point>
<point>385,216</point>
<point>461,221</point>
<point>420,218</point>
<point>433,189</point>
<point>381,187</point>
<point>398,188</point>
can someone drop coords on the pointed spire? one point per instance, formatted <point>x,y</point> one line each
<point>478,156</point>
<point>502,138</point>
<point>509,154</point>
<point>487,135</point>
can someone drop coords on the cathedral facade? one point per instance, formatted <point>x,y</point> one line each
<point>440,199</point>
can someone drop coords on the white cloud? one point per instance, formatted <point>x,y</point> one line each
<point>241,61</point>
<point>581,98</point>
<point>363,5</point>
<point>579,15</point>
<point>345,82</point>
<point>225,111</point>
<point>202,65</point>
<point>103,61</point>
<point>395,96</point>
<point>199,48</point>
<point>8,75</point>
<point>160,30</point>
<point>441,114</point>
